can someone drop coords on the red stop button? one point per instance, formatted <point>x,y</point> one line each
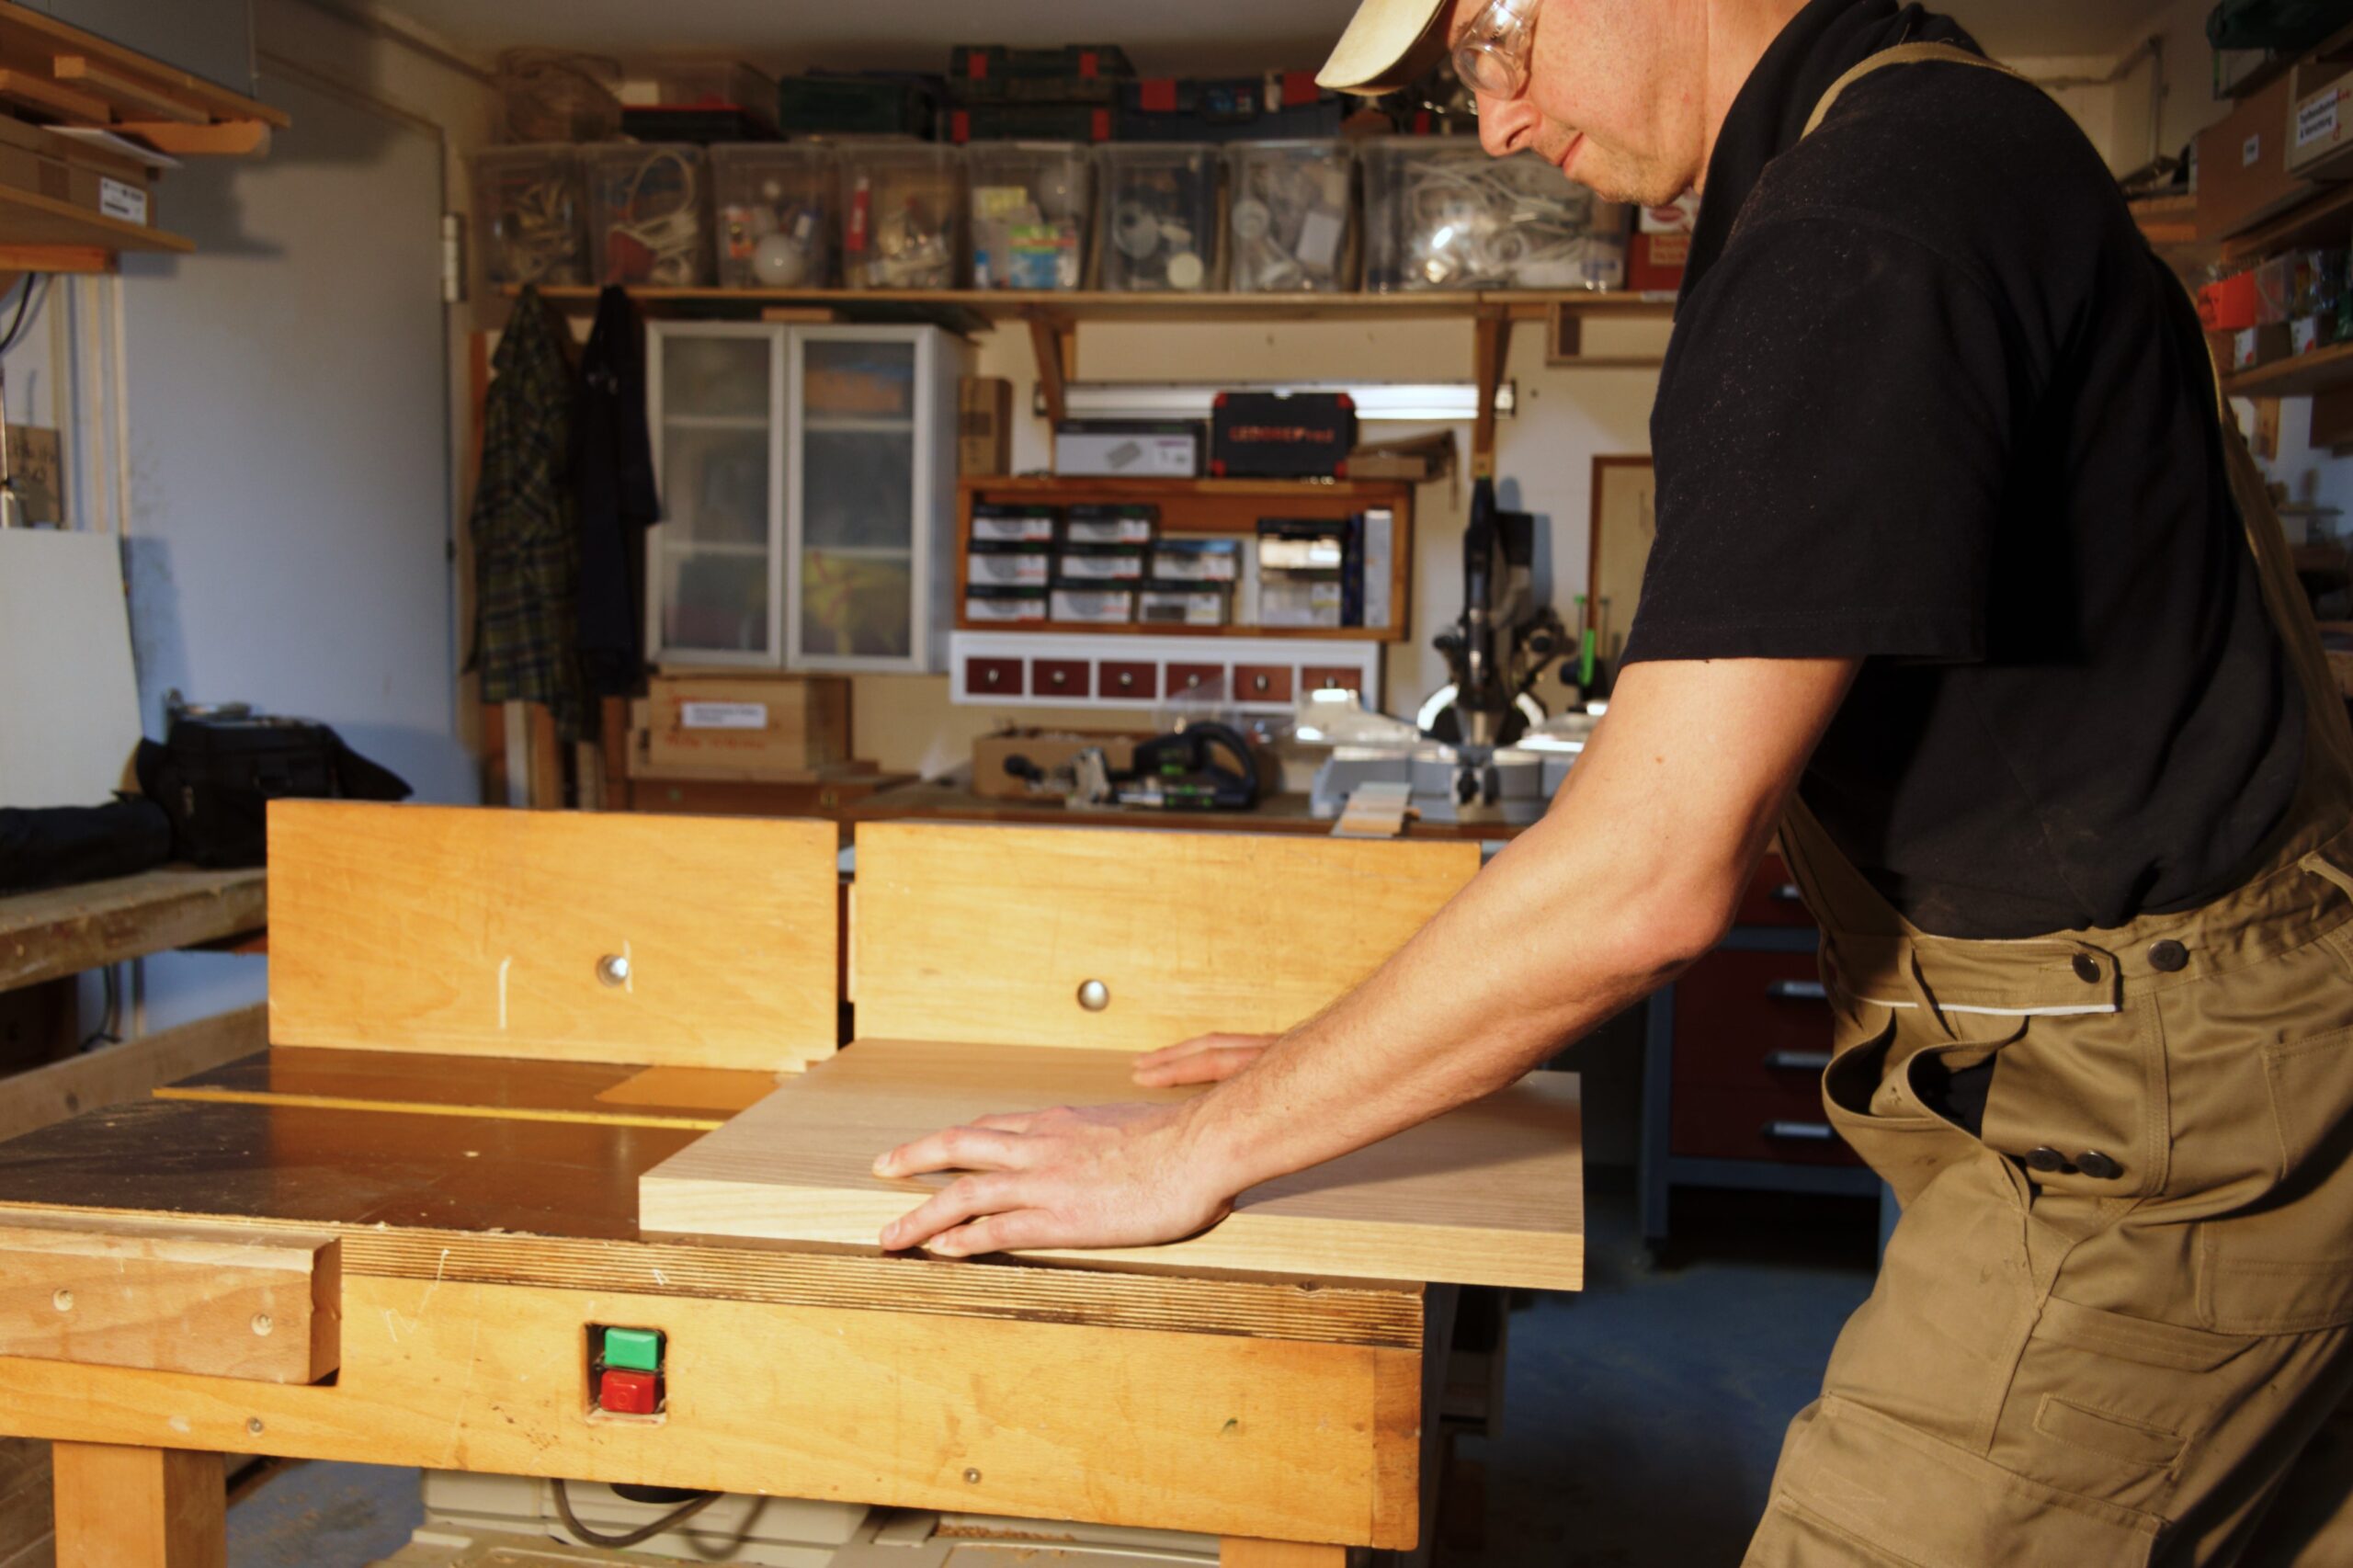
<point>628,1393</point>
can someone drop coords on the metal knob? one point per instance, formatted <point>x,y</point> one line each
<point>1258,683</point>
<point>1094,995</point>
<point>1127,679</point>
<point>990,677</point>
<point>613,970</point>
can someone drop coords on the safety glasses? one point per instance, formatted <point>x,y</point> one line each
<point>1491,50</point>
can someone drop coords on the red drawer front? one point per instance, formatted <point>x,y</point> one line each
<point>1139,681</point>
<point>1320,678</point>
<point>1183,678</point>
<point>1059,677</point>
<point>1751,1021</point>
<point>1262,683</point>
<point>1720,1122</point>
<point>1772,898</point>
<point>993,678</point>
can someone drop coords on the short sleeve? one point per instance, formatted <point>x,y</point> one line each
<point>1833,438</point>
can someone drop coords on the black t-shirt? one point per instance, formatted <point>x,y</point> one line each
<point>1932,402</point>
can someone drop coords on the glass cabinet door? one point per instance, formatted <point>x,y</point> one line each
<point>855,583</point>
<point>715,555</point>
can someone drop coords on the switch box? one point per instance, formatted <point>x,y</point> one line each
<point>625,1371</point>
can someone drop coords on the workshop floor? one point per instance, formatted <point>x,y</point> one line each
<point>1640,1423</point>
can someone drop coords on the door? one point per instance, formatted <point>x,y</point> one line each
<point>715,394</point>
<point>862,504</point>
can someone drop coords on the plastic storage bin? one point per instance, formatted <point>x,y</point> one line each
<point>649,214</point>
<point>1030,205</point>
<point>1160,218</point>
<point>1289,222</point>
<point>528,211</point>
<point>903,215</point>
<point>778,211</point>
<point>1439,213</point>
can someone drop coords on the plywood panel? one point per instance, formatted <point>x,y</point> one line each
<point>1488,1194</point>
<point>487,933</point>
<point>988,933</point>
<point>70,701</point>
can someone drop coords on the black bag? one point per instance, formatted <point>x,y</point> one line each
<point>215,777</point>
<point>55,846</point>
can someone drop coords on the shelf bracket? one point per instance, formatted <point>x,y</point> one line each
<point>1053,338</point>
<point>1491,353</point>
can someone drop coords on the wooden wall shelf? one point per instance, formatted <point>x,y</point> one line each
<point>1053,318</point>
<point>2303,375</point>
<point>53,72</point>
<point>40,234</point>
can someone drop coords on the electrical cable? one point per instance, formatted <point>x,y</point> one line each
<point>670,1520</point>
<point>17,326</point>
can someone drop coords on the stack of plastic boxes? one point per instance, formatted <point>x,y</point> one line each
<point>903,215</point>
<point>1030,203</point>
<point>1441,214</point>
<point>649,214</point>
<point>1009,564</point>
<point>527,209</point>
<point>1191,582</point>
<point>780,208</point>
<point>1291,221</point>
<point>1160,218</point>
<point>1100,566</point>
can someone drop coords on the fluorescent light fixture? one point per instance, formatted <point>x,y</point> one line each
<point>1424,402</point>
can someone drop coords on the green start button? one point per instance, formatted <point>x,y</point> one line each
<point>633,1350</point>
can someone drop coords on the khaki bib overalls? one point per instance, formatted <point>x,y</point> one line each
<point>2113,1330</point>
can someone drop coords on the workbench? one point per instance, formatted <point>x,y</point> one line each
<point>399,1245</point>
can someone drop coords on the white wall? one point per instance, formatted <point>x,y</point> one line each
<point>287,405</point>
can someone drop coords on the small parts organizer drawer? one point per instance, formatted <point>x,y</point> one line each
<point>1254,675</point>
<point>1751,1035</point>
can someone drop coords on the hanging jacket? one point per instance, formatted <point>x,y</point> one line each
<point>612,476</point>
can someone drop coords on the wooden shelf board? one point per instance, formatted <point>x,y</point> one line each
<point>1137,628</point>
<point>2299,377</point>
<point>2319,221</point>
<point>27,218</point>
<point>1001,305</point>
<point>68,930</point>
<point>1068,487</point>
<point>32,42</point>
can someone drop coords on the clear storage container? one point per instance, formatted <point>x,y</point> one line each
<point>1439,213</point>
<point>1159,217</point>
<point>778,211</point>
<point>1030,203</point>
<point>1290,220</point>
<point>902,211</point>
<point>649,214</point>
<point>526,210</point>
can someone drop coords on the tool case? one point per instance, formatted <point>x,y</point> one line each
<point>1281,435</point>
<point>215,775</point>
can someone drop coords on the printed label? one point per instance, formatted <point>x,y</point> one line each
<point>116,199</point>
<point>2316,121</point>
<point>2252,154</point>
<point>723,715</point>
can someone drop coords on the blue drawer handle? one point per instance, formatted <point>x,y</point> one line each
<point>1798,991</point>
<point>1801,1131</point>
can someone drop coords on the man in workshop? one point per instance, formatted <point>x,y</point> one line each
<point>1961,585</point>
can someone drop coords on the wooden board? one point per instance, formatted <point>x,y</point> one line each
<point>491,933</point>
<point>176,1296</point>
<point>115,1073</point>
<point>66,678</point>
<point>1488,1194</point>
<point>426,1083</point>
<point>987,934</point>
<point>68,930</point>
<point>1179,1430</point>
<point>139,1507</point>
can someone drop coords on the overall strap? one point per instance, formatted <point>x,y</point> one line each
<point>1902,54</point>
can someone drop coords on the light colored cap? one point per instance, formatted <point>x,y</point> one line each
<point>1388,44</point>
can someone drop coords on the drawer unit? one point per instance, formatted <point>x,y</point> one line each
<point>1255,674</point>
<point>993,678</point>
<point>1126,678</point>
<point>1060,677</point>
<point>1750,1019</point>
<point>1719,1122</point>
<point>1772,898</point>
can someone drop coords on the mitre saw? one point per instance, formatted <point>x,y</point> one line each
<point>1481,747</point>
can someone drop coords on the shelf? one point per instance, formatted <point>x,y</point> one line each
<point>1203,505</point>
<point>861,552</point>
<point>57,72</point>
<point>2300,377</point>
<point>32,226</point>
<point>998,306</point>
<point>759,422</point>
<point>2322,220</point>
<point>859,427</point>
<point>711,547</point>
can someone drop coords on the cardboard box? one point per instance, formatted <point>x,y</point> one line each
<point>984,427</point>
<point>2256,346</point>
<point>2320,130</point>
<point>1049,749</point>
<point>2243,175</point>
<point>1662,246</point>
<point>2229,304</point>
<point>748,727</point>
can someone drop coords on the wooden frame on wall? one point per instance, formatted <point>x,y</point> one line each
<point>1624,520</point>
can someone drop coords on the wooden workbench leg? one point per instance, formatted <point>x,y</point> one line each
<point>1240,1552</point>
<point>138,1508</point>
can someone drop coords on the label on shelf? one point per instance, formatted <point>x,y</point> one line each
<point>723,715</point>
<point>2316,120</point>
<point>128,202</point>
